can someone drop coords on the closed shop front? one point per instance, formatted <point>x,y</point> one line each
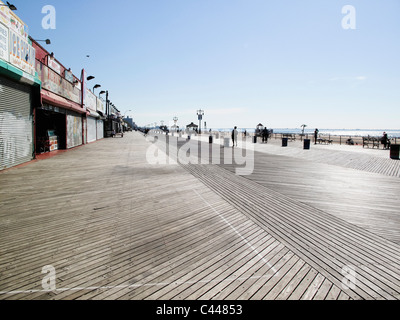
<point>16,123</point>
<point>91,129</point>
<point>100,129</point>
<point>74,129</point>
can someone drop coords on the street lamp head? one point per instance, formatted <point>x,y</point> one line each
<point>89,78</point>
<point>47,41</point>
<point>10,6</point>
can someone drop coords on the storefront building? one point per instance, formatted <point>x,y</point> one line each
<point>60,117</point>
<point>19,91</point>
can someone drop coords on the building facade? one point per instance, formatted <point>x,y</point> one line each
<point>60,117</point>
<point>19,91</point>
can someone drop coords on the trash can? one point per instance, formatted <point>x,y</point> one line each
<point>395,151</point>
<point>307,143</point>
<point>226,142</point>
<point>255,139</point>
<point>210,139</point>
<point>284,142</point>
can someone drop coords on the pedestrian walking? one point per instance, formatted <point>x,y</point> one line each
<point>234,137</point>
<point>265,135</point>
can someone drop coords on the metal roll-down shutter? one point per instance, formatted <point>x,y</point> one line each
<point>16,125</point>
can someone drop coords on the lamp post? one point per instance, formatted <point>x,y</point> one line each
<point>175,121</point>
<point>200,114</point>
<point>302,132</point>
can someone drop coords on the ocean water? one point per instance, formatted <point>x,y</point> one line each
<point>392,133</point>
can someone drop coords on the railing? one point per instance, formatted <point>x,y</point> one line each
<point>336,139</point>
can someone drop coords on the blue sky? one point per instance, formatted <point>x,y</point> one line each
<point>282,63</point>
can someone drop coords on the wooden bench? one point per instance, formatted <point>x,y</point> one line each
<point>371,141</point>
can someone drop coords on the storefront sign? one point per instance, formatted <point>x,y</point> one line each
<point>4,42</point>
<point>4,14</point>
<point>13,22</point>
<point>22,54</point>
<point>100,105</point>
<point>69,76</point>
<point>14,43</point>
<point>54,65</point>
<point>53,82</point>
<point>90,100</point>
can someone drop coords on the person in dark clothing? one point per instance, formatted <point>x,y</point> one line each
<point>316,136</point>
<point>385,141</point>
<point>265,134</point>
<point>234,136</point>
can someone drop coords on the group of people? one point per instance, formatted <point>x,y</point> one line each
<point>235,133</point>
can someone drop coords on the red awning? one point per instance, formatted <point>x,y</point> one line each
<point>59,101</point>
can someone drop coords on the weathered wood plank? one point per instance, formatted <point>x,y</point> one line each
<point>124,229</point>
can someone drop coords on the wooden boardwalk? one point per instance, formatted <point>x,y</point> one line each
<point>116,227</point>
<point>332,178</point>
